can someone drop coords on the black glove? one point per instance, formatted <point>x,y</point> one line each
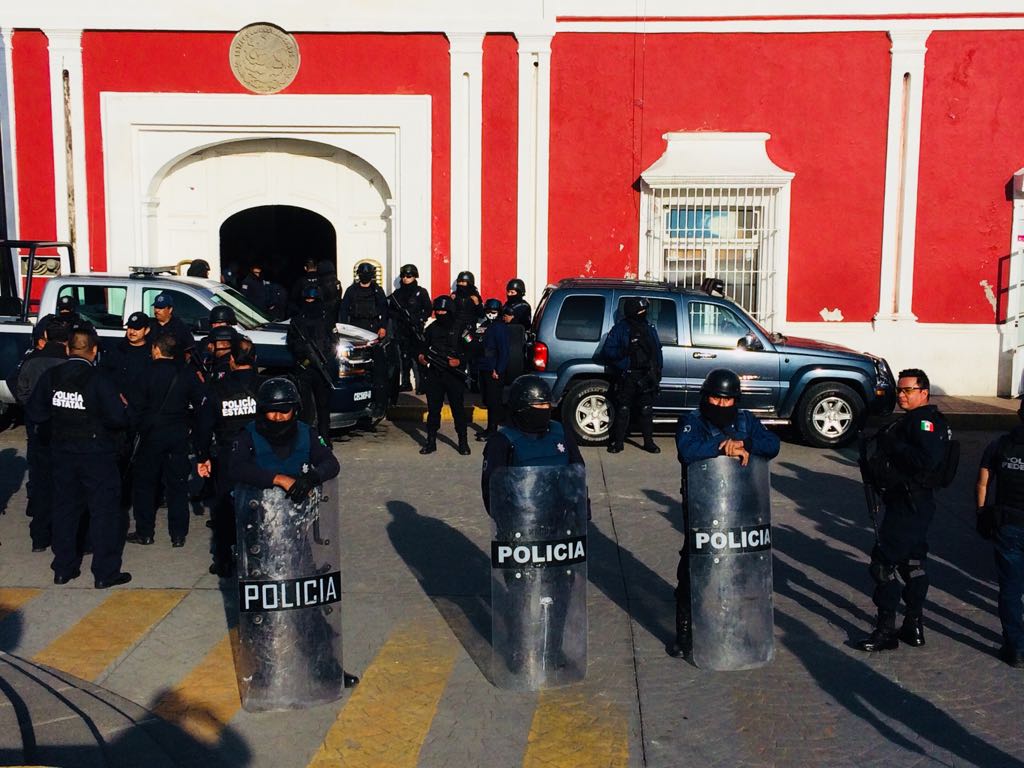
<point>986,522</point>
<point>301,488</point>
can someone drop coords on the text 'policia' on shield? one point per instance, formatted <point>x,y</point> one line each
<point>539,554</point>
<point>289,593</point>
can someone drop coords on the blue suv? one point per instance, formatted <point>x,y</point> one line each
<point>825,390</point>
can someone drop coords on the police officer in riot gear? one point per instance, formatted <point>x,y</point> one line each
<point>492,363</point>
<point>255,288</point>
<point>81,412</point>
<point>220,340</point>
<point>160,413</point>
<point>231,405</point>
<point>443,355</point>
<point>412,307</point>
<point>39,488</point>
<point>719,427</point>
<point>214,365</point>
<point>278,450</point>
<point>198,268</point>
<point>308,279</point>
<point>632,353</point>
<point>365,305</point>
<point>906,467</point>
<point>312,341</point>
<point>533,439</point>
<point>468,305</point>
<point>515,291</point>
<point>1002,520</point>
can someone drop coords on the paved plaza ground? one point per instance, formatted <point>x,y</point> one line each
<point>143,675</point>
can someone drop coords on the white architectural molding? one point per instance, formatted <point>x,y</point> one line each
<point>8,139</point>
<point>534,138</point>
<point>146,134</point>
<point>466,150</point>
<point>903,154</point>
<point>1014,299</point>
<point>65,54</point>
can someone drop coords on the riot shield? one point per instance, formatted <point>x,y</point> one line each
<point>538,576</point>
<point>288,648</point>
<point>730,561</point>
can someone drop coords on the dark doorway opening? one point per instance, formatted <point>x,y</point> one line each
<point>280,237</point>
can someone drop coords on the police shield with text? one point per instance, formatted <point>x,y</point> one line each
<point>724,596</point>
<point>289,554</point>
<point>535,491</point>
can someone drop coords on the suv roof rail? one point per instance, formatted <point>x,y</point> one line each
<point>148,271</point>
<point>713,286</point>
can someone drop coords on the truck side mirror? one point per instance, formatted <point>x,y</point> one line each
<point>750,342</point>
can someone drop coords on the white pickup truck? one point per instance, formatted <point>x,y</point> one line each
<point>107,300</point>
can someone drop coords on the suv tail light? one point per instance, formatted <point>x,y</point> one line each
<point>539,356</point>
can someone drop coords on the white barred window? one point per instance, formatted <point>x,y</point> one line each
<point>713,207</point>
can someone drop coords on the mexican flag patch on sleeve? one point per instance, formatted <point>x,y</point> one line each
<point>927,426</point>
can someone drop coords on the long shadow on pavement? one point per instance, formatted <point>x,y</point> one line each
<point>13,467</point>
<point>451,571</point>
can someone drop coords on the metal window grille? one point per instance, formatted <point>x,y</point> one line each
<point>728,232</point>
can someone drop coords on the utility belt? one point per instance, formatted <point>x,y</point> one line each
<point>1005,515</point>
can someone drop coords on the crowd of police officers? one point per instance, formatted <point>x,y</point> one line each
<point>132,425</point>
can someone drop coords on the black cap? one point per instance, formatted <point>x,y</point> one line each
<point>163,300</point>
<point>634,306</point>
<point>67,303</point>
<point>137,321</point>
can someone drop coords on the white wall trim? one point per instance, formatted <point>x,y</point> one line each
<point>8,137</point>
<point>783,25</point>
<point>146,134</point>
<point>533,174</point>
<point>65,54</point>
<point>466,150</point>
<point>903,154</point>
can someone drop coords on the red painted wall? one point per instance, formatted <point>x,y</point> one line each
<point>195,62</point>
<point>972,142</point>
<point>822,97</point>
<point>500,160</point>
<point>37,218</point>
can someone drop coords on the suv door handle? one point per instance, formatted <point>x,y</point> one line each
<point>704,355</point>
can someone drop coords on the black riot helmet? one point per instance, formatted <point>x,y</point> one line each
<point>409,270</point>
<point>222,333</point>
<point>198,268</point>
<point>222,314</point>
<point>444,303</point>
<point>721,382</point>
<point>528,390</point>
<point>492,305</point>
<point>366,272</point>
<point>634,307</point>
<point>278,394</point>
<point>467,277</point>
<point>517,286</point>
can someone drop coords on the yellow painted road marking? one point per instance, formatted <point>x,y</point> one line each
<point>572,727</point>
<point>12,598</point>
<point>206,700</point>
<point>390,712</point>
<point>107,631</point>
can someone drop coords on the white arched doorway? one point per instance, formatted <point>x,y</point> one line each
<point>200,192</point>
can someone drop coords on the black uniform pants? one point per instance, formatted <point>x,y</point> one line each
<point>39,488</point>
<point>633,397</point>
<point>441,384</point>
<point>321,397</point>
<point>898,558</point>
<point>89,482</point>
<point>223,510</point>
<point>162,457</point>
<point>492,390</point>
<point>407,360</point>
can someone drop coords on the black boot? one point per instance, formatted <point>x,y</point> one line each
<point>349,681</point>
<point>431,445</point>
<point>651,447</point>
<point>463,445</point>
<point>683,645</point>
<point>883,638</point>
<point>912,631</point>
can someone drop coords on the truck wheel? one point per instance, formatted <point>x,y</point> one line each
<point>587,412</point>
<point>829,414</point>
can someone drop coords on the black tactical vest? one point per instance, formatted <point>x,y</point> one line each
<point>1009,470</point>
<point>364,305</point>
<point>639,359</point>
<point>73,414</point>
<point>237,395</point>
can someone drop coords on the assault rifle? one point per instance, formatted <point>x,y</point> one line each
<point>316,355</point>
<point>872,493</point>
<point>435,358</point>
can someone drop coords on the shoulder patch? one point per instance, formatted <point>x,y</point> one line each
<point>686,428</point>
<point>927,426</point>
<point>323,442</point>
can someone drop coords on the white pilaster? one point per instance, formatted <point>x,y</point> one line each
<point>8,142</point>
<point>903,153</point>
<point>65,49</point>
<point>534,130</point>
<point>466,142</point>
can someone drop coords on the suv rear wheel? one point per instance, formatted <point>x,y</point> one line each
<point>587,412</point>
<point>829,414</point>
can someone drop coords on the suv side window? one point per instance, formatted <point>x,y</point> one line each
<point>712,325</point>
<point>102,305</point>
<point>581,319</point>
<point>187,309</point>
<point>662,316</point>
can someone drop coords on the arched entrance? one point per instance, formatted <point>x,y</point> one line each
<point>280,237</point>
<point>276,198</point>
